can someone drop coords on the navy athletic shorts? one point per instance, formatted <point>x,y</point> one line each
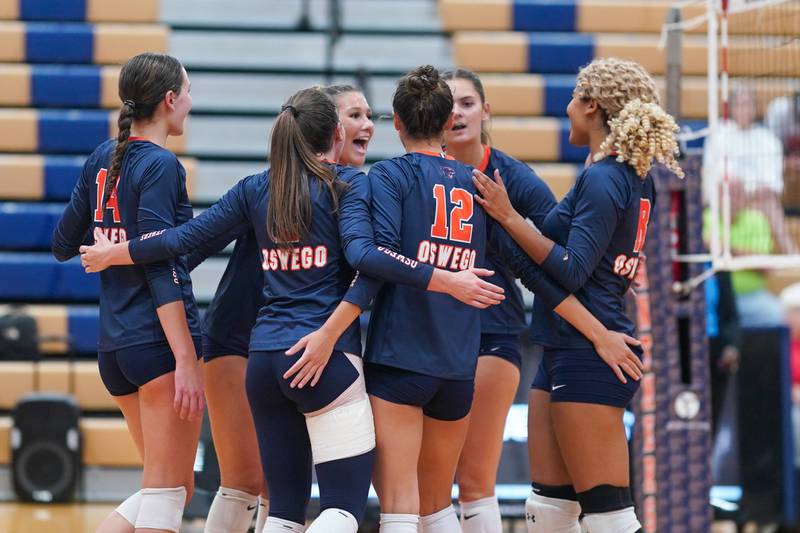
<point>213,349</point>
<point>123,371</point>
<point>580,375</point>
<point>442,399</point>
<point>501,345</point>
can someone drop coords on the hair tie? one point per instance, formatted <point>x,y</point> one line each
<point>130,103</point>
<point>291,108</point>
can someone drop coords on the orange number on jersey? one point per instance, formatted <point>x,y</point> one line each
<point>641,229</point>
<point>439,228</point>
<point>100,180</point>
<point>458,230</point>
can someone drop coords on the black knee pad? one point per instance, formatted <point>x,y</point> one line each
<point>561,492</point>
<point>605,498</point>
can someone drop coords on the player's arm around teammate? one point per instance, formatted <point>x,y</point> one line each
<point>148,361</point>
<point>590,243</point>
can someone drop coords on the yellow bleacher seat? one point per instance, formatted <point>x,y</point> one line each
<point>109,87</point>
<point>491,52</point>
<point>531,139</point>
<point>54,376</point>
<point>16,83</point>
<point>89,389</point>
<point>559,177</point>
<point>16,380</point>
<point>510,94</point>
<point>21,177</point>
<point>475,15</point>
<point>18,130</point>
<point>105,11</point>
<point>12,41</point>
<point>106,442</point>
<point>116,43</point>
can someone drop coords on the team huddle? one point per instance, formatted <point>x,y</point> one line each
<point>433,241</point>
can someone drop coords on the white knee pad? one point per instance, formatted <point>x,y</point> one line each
<point>399,523</point>
<point>481,516</point>
<point>161,509</point>
<point>278,525</point>
<point>129,509</point>
<point>231,511</point>
<point>347,430</point>
<point>551,515</point>
<point>334,521</point>
<point>622,521</point>
<point>262,514</point>
<point>444,521</point>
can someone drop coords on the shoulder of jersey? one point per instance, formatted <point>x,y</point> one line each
<point>502,161</point>
<point>347,173</point>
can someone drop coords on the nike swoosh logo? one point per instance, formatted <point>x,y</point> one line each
<point>468,516</point>
<point>251,507</point>
<point>494,349</point>
<point>556,387</point>
<point>565,258</point>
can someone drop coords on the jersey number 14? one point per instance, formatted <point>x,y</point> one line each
<point>100,180</point>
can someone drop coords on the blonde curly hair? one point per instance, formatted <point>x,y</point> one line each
<point>639,128</point>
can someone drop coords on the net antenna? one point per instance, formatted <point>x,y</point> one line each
<point>751,144</point>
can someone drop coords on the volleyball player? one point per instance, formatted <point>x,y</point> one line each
<point>355,115</point>
<point>293,210</point>
<point>498,370</point>
<point>422,347</point>
<point>149,327</point>
<point>590,243</point>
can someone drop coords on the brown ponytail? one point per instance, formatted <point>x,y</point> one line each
<point>304,128</point>
<point>143,82</point>
<point>423,102</point>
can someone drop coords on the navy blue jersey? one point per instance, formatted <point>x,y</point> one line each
<point>304,281</point>
<point>532,198</point>
<point>150,196</point>
<point>423,207</point>
<point>599,230</point>
<point>232,313</point>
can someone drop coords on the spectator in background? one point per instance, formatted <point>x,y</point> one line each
<point>722,325</point>
<point>754,161</point>
<point>751,234</point>
<point>783,119</point>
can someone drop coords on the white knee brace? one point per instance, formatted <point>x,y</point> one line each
<point>334,521</point>
<point>343,429</point>
<point>231,511</point>
<point>622,521</point>
<point>551,515</point>
<point>129,509</point>
<point>278,525</point>
<point>161,509</point>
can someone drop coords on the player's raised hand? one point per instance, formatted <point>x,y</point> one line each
<point>468,287</point>
<point>317,349</point>
<point>614,349</point>
<point>94,258</point>
<point>493,196</point>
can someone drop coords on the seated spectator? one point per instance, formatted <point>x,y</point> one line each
<point>750,234</point>
<point>752,156</point>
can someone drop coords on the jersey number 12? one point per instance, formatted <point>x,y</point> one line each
<point>463,208</point>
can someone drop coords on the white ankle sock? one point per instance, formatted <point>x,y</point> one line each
<point>481,516</point>
<point>399,523</point>
<point>444,521</point>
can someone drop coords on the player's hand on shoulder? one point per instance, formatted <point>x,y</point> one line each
<point>467,286</point>
<point>493,196</point>
<point>95,258</point>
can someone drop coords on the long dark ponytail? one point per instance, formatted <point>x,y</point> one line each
<point>143,82</point>
<point>304,128</point>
